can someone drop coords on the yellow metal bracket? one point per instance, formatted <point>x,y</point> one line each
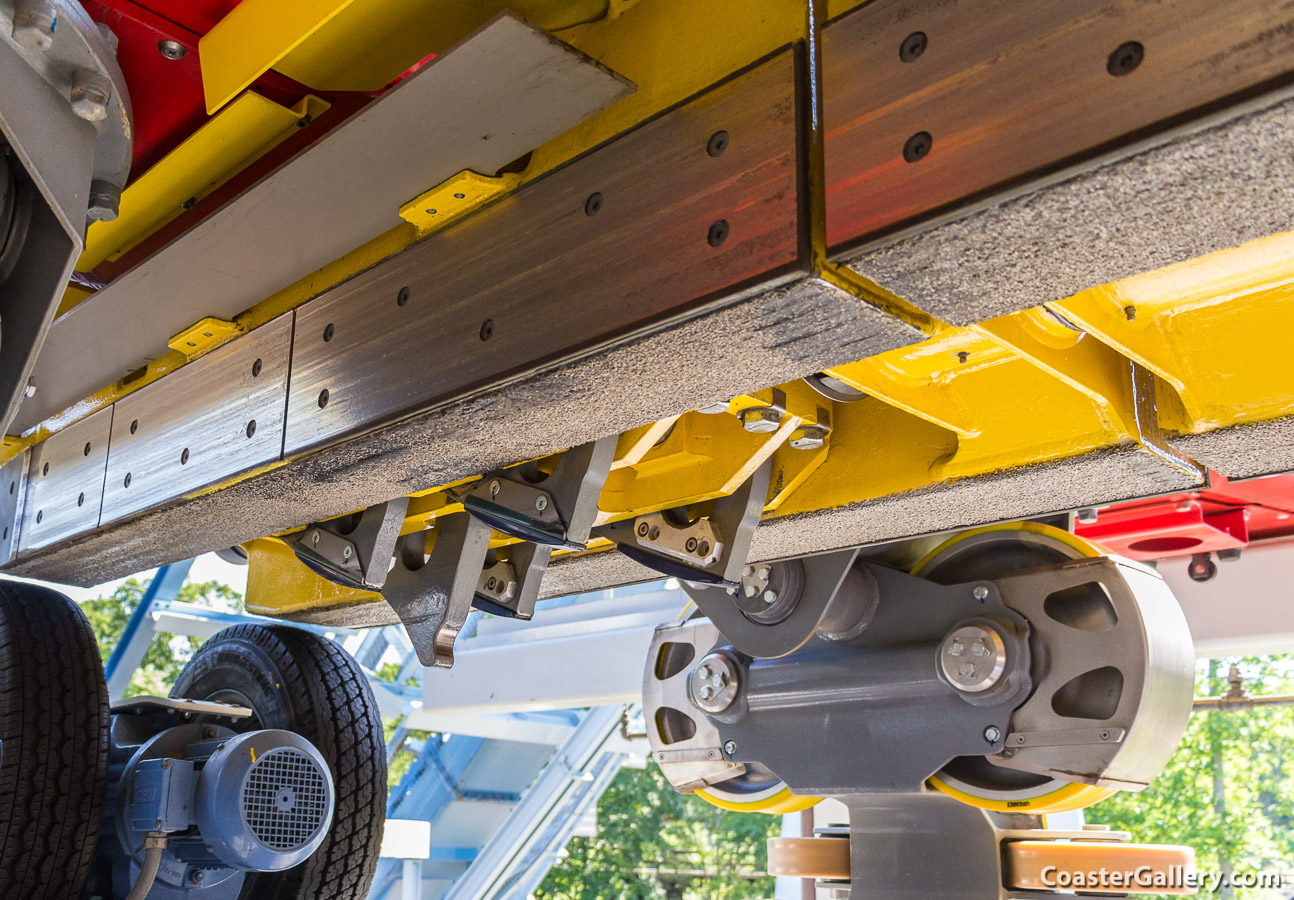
<point>203,336</point>
<point>453,198</point>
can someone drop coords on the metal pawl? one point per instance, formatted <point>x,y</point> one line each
<point>556,511</point>
<point>358,556</point>
<point>516,582</point>
<point>710,550</point>
<point>433,594</point>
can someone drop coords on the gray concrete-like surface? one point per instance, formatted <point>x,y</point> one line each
<point>764,339</point>
<point>1096,478</point>
<point>1208,190</point>
<point>1244,451</point>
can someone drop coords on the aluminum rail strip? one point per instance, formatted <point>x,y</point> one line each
<point>688,250</point>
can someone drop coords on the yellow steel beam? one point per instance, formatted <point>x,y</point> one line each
<point>253,38</point>
<point>1215,328</point>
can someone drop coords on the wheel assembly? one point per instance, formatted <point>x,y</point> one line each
<point>1011,672</point>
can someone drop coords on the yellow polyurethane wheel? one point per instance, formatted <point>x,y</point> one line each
<point>1069,796</point>
<point>776,805</point>
<point>1081,546</point>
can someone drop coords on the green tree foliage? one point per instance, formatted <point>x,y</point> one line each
<point>168,654</point>
<point>653,842</point>
<point>1229,790</point>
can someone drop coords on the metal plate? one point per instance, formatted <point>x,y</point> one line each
<point>548,270</point>
<point>497,95</point>
<point>169,438</point>
<point>1006,96</point>
<point>65,482</point>
<point>13,487</point>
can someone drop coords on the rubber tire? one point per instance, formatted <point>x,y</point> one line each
<point>54,759</point>
<point>301,682</point>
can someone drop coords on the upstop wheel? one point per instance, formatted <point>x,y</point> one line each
<point>988,553</point>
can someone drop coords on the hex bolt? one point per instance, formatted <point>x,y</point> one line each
<point>91,92</point>
<point>34,22</point>
<point>980,592</point>
<point>762,572</point>
<point>770,597</point>
<point>809,438</point>
<point>956,648</point>
<point>1086,516</point>
<point>730,747</point>
<point>979,648</point>
<point>750,590</point>
<point>967,670</point>
<point>992,734</point>
<point>196,876</point>
<point>761,419</point>
<point>105,201</point>
<point>541,503</point>
<point>347,552</point>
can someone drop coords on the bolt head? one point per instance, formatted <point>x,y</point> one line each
<point>808,439</point>
<point>541,503</point>
<point>33,25</point>
<point>750,590</point>
<point>761,420</point>
<point>966,670</point>
<point>762,572</point>
<point>730,747</point>
<point>495,487</point>
<point>956,648</point>
<point>30,389</point>
<point>980,592</point>
<point>748,571</point>
<point>703,673</point>
<point>770,597</point>
<point>172,49</point>
<point>706,692</point>
<point>992,734</point>
<point>314,537</point>
<point>347,553</point>
<point>979,648</point>
<point>90,94</point>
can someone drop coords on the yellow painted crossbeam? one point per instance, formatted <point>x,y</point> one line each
<point>253,38</point>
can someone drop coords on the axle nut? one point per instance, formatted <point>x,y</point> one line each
<point>714,683</point>
<point>985,664</point>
